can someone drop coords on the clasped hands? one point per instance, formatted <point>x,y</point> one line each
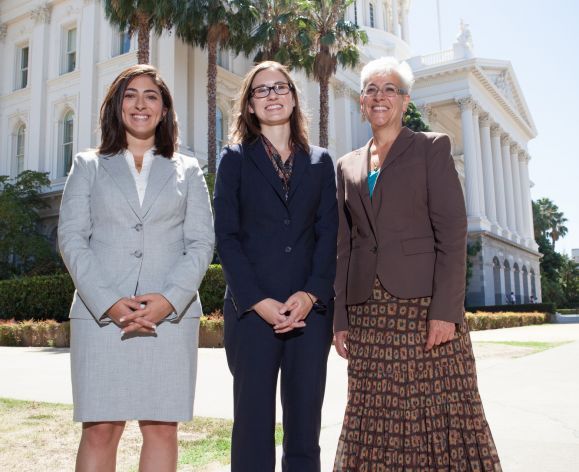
<point>285,317</point>
<point>140,314</point>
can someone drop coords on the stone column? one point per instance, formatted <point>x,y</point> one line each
<point>488,176</point>
<point>476,110</point>
<point>87,113</point>
<point>342,119</point>
<point>510,199</point>
<point>499,181</point>
<point>470,166</point>
<point>395,19</point>
<point>515,148</point>
<point>526,197</point>
<point>404,21</point>
<point>379,19</point>
<point>37,65</point>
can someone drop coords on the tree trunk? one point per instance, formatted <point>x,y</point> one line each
<point>143,40</point>
<point>324,110</point>
<point>211,106</point>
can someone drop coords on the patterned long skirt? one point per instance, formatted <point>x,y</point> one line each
<point>408,409</point>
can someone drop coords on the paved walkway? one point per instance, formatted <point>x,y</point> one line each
<point>531,401</point>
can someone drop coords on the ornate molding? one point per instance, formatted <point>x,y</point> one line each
<point>515,148</point>
<point>340,89</point>
<point>524,157</point>
<point>496,130</point>
<point>505,140</point>
<point>427,112</point>
<point>477,110</point>
<point>466,103</point>
<point>41,14</point>
<point>3,31</point>
<point>485,119</point>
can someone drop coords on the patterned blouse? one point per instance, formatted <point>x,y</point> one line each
<point>283,169</point>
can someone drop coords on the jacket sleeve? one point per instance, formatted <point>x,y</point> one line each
<point>448,218</point>
<point>185,278</point>
<point>93,285</point>
<point>321,279</point>
<point>239,274</point>
<point>343,257</point>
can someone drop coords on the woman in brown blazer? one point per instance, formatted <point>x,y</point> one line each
<point>413,401</point>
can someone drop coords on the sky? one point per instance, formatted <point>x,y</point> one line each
<point>541,40</point>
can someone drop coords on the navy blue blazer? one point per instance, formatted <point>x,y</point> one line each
<point>270,248</point>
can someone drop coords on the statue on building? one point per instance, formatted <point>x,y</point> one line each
<point>463,47</point>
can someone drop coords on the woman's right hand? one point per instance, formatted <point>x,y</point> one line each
<point>269,310</point>
<point>341,343</point>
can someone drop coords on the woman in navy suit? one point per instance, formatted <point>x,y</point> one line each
<point>276,229</point>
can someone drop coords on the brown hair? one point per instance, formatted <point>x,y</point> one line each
<point>114,137</point>
<point>246,127</point>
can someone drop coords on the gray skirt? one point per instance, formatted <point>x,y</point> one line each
<point>133,378</point>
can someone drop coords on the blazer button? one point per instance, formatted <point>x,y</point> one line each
<point>138,254</point>
<point>374,250</point>
<point>138,227</point>
<point>288,249</point>
<point>287,221</point>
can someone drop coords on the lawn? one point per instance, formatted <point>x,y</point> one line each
<point>41,436</point>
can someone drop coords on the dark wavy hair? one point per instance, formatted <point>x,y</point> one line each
<point>114,135</point>
<point>245,126</point>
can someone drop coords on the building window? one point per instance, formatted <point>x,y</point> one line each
<point>122,43</point>
<point>67,142</point>
<point>22,67</point>
<point>371,15</point>
<point>69,59</point>
<point>19,149</point>
<point>356,13</point>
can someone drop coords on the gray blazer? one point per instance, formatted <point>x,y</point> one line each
<point>113,247</point>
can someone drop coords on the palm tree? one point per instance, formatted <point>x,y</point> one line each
<point>549,221</point>
<point>141,16</point>
<point>331,40</point>
<point>213,24</point>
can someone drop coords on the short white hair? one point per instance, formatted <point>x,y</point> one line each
<point>388,65</point>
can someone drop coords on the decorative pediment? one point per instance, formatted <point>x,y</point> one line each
<point>504,80</point>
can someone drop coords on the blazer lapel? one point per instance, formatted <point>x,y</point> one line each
<point>363,185</point>
<point>119,171</point>
<point>399,146</point>
<point>302,160</point>
<point>256,152</point>
<point>161,169</point>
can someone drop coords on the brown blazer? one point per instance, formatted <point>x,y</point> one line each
<point>411,234</point>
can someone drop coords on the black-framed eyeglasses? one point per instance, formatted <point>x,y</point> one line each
<point>281,88</point>
<point>388,90</point>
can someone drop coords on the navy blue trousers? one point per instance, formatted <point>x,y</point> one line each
<point>256,355</point>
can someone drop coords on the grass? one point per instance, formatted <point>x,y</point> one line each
<point>41,436</point>
<point>533,346</point>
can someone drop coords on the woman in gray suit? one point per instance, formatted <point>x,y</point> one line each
<point>136,235</point>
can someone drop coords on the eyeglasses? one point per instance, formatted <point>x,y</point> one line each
<point>388,90</point>
<point>281,88</point>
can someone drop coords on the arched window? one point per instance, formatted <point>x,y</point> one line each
<point>219,132</point>
<point>66,143</point>
<point>517,277</point>
<point>19,149</point>
<point>371,15</point>
<point>508,289</point>
<point>525,275</point>
<point>497,281</point>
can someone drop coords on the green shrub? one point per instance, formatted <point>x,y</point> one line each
<point>212,289</point>
<point>49,296</point>
<point>480,320</point>
<point>522,308</point>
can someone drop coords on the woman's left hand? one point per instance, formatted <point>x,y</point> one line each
<point>439,332</point>
<point>155,308</point>
<point>299,306</point>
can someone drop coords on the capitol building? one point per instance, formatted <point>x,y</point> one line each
<point>60,56</point>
